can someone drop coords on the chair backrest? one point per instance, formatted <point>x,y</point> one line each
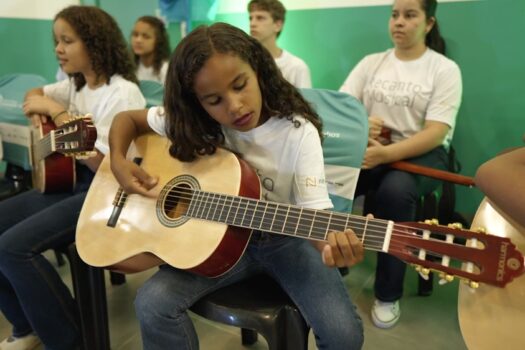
<point>345,129</point>
<point>13,87</point>
<point>153,92</point>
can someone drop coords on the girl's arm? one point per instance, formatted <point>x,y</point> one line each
<point>430,137</point>
<point>124,129</point>
<point>502,179</point>
<point>39,107</point>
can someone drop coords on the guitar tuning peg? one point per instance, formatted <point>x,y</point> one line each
<point>456,225</point>
<point>481,230</point>
<point>432,222</point>
<point>445,278</point>
<point>423,272</point>
<point>472,284</point>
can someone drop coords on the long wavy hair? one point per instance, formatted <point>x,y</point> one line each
<point>161,50</point>
<point>434,40</point>
<point>189,127</point>
<point>104,41</point>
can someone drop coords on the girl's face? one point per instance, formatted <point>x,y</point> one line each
<point>143,39</point>
<point>228,89</point>
<point>408,24</point>
<point>71,52</point>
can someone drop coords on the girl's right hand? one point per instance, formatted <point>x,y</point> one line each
<point>375,124</point>
<point>132,178</point>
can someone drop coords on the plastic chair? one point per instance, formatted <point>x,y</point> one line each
<point>258,304</point>
<point>153,92</point>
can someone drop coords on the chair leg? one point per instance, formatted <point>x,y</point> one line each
<point>117,278</point>
<point>60,258</point>
<point>248,336</point>
<point>90,294</point>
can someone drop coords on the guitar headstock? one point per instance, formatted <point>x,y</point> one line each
<point>453,251</point>
<point>76,137</point>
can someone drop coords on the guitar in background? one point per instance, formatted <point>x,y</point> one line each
<point>53,151</point>
<point>205,210</point>
<point>492,318</point>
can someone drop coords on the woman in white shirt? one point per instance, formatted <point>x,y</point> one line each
<point>412,94</point>
<point>151,48</point>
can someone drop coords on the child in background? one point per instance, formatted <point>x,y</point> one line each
<point>151,48</point>
<point>224,89</point>
<point>92,50</point>
<point>266,24</point>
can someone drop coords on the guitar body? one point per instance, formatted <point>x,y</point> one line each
<point>146,234</point>
<point>491,317</point>
<point>55,173</point>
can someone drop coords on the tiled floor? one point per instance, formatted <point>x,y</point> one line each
<point>428,323</point>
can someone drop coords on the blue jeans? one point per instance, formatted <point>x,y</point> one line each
<point>395,196</point>
<point>32,295</point>
<point>318,291</point>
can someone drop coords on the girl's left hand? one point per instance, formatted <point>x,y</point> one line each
<point>43,105</point>
<point>375,154</point>
<point>343,249</point>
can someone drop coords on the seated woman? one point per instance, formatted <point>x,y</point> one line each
<point>151,48</point>
<point>92,50</point>
<point>412,94</point>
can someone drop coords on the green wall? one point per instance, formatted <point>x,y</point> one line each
<point>484,37</point>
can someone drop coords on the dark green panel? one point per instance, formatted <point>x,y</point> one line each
<point>27,47</point>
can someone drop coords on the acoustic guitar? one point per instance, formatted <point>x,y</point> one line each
<point>204,211</point>
<point>494,318</point>
<point>53,151</point>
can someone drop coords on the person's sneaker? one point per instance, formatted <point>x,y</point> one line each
<point>385,314</point>
<point>27,342</point>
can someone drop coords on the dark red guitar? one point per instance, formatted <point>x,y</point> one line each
<point>204,212</point>
<point>53,150</point>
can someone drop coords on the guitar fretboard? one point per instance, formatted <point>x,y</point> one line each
<point>284,218</point>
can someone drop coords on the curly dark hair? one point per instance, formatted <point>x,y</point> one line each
<point>161,51</point>
<point>104,41</point>
<point>190,129</point>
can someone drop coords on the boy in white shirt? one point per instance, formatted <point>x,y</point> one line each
<point>266,24</point>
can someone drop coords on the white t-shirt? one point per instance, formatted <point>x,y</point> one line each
<point>407,93</point>
<point>294,70</point>
<point>103,103</point>
<point>147,73</point>
<point>288,160</point>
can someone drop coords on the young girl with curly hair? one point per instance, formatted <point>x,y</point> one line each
<point>224,89</point>
<point>92,50</point>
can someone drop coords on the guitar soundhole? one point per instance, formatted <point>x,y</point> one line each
<point>175,199</point>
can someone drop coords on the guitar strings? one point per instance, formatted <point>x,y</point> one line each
<point>374,236</point>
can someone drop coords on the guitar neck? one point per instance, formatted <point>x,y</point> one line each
<point>43,147</point>
<point>286,219</point>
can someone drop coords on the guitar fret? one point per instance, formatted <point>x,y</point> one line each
<point>263,217</point>
<point>253,214</point>
<point>216,205</point>
<point>274,207</point>
<point>265,224</point>
<point>320,226</point>
<point>279,218</point>
<point>236,216</point>
<point>303,226</point>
